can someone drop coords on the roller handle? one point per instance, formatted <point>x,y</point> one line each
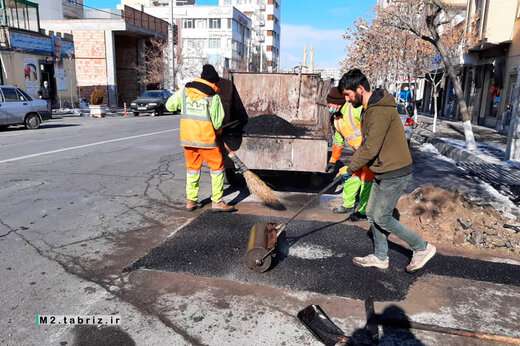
<point>309,202</point>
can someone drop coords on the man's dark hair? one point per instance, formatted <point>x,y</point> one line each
<point>352,79</point>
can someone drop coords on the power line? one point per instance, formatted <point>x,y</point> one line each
<point>95,8</point>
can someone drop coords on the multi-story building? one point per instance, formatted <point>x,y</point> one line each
<point>60,9</point>
<point>265,15</point>
<point>219,35</point>
<point>491,62</point>
<point>110,51</point>
<point>29,56</point>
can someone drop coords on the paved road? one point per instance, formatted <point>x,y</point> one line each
<point>71,183</point>
<point>80,199</point>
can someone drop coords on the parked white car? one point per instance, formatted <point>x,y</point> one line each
<point>18,108</point>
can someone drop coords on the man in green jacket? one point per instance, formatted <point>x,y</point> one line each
<point>385,151</point>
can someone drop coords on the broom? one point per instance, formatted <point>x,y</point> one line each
<point>255,185</point>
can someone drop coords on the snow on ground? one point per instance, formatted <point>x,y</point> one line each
<point>500,202</point>
<point>429,148</point>
<point>486,152</point>
<point>309,251</point>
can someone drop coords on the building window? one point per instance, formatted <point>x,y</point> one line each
<point>200,23</point>
<point>214,43</point>
<point>20,14</point>
<point>188,23</point>
<point>229,23</point>
<point>193,46</point>
<point>214,23</point>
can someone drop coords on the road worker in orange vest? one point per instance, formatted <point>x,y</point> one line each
<point>201,117</point>
<point>347,125</point>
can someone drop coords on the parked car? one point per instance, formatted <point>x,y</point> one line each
<point>18,108</point>
<point>151,102</point>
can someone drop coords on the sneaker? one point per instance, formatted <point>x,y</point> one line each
<point>420,258</point>
<point>191,205</point>
<point>222,207</point>
<point>371,261</point>
<point>343,210</point>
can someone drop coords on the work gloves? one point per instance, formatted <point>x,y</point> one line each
<point>333,167</point>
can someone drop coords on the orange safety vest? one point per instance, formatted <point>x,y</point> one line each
<point>349,129</point>
<point>196,127</point>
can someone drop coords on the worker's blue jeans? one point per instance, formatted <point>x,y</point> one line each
<point>383,198</point>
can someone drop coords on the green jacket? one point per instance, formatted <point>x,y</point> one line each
<point>216,110</point>
<point>384,148</point>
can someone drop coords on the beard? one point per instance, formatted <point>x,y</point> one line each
<point>358,102</point>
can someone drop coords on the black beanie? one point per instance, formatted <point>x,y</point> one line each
<point>209,73</point>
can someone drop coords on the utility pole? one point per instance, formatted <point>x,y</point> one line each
<point>172,41</point>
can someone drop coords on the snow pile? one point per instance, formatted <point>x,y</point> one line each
<point>429,148</point>
<point>486,151</point>
<point>310,251</point>
<point>500,202</point>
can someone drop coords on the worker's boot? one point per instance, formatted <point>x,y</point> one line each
<point>343,210</point>
<point>222,206</point>
<point>191,205</point>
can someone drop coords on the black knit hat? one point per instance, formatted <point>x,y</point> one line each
<point>335,97</point>
<point>209,73</point>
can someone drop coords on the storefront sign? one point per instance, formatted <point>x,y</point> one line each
<point>31,78</point>
<point>30,43</point>
<point>54,45</point>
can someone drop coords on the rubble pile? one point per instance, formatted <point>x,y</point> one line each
<point>447,217</point>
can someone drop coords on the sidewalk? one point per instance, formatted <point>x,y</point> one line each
<point>486,164</point>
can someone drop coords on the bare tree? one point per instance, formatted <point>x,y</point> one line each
<point>427,20</point>
<point>153,70</point>
<point>189,60</point>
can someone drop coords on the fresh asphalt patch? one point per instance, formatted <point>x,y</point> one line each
<point>313,256</point>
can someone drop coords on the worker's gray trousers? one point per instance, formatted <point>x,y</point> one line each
<point>383,198</point>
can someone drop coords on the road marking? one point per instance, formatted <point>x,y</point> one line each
<point>86,145</point>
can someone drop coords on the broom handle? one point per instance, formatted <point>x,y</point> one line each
<point>312,200</point>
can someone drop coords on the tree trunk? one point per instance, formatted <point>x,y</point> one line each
<point>435,95</point>
<point>513,139</point>
<point>466,117</point>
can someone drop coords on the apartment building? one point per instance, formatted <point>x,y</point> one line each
<point>219,35</point>
<point>30,56</point>
<point>491,62</point>
<point>265,16</point>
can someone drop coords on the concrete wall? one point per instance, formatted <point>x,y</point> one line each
<point>500,20</point>
<point>91,62</point>
<point>50,9</point>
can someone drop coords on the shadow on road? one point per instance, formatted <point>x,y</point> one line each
<point>42,126</point>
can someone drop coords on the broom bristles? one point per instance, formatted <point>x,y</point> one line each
<point>260,189</point>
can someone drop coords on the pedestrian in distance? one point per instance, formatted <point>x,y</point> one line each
<point>201,117</point>
<point>45,94</point>
<point>347,125</point>
<point>385,151</point>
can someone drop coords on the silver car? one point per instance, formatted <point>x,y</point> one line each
<point>18,108</point>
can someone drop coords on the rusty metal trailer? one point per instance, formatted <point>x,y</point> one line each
<point>296,100</point>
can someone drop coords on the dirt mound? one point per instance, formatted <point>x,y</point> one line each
<point>272,125</point>
<point>447,217</point>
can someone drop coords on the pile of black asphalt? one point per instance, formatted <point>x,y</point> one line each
<point>272,125</point>
<point>214,245</point>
